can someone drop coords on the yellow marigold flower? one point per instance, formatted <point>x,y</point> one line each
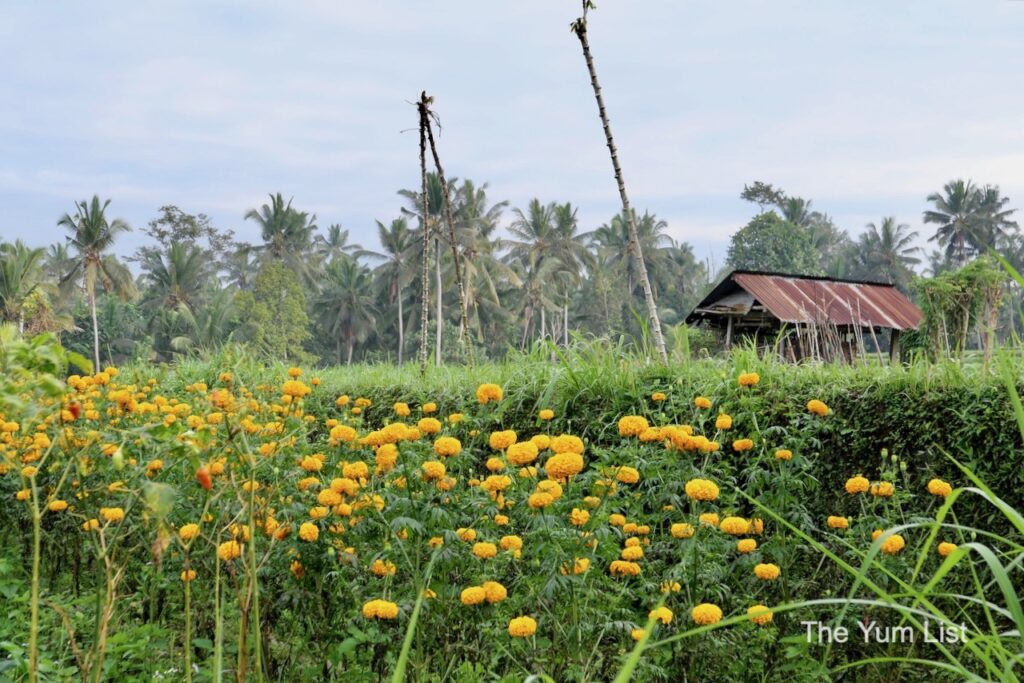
<point>627,475</point>
<point>447,446</point>
<point>511,543</point>
<point>295,389</point>
<point>342,434</point>
<point>735,526</point>
<point>229,550</point>
<point>760,615</point>
<point>682,530</point>
<point>946,548</point>
<point>651,434</point>
<point>435,542</point>
<point>616,519</point>
<point>541,441</point>
<point>783,454</point>
<point>567,443</point>
<point>746,545</point>
<point>767,571</point>
<point>501,520</point>
<point>883,489</point>
<point>494,591</point>
<point>741,445</point>
<point>467,535</point>
<point>817,407</point>
<point>380,609</point>
<point>251,486</point>
<point>429,408</point>
<point>702,402</point>
<point>658,396</point>
<point>893,544</point>
<point>540,500</point>
<point>57,505</point>
<point>520,453</point>
<point>294,372</point>
<point>188,532</point>
<point>311,464</point>
<point>632,553</point>
<point>402,409</point>
<point>522,627</point>
<point>309,532</point>
<point>455,418</point>
<point>706,614</point>
<point>91,525</point>
<point>473,595</point>
<point>937,487</point>
<point>23,494</point>
<point>838,522</point>
<point>546,414</point>
<point>29,471</point>
<point>112,515</point>
<point>580,565</point>
<point>701,489</point>
<point>723,422</point>
<point>188,575</point>
<point>318,512</point>
<point>381,567</point>
<point>748,379</point>
<point>670,587</point>
<point>499,441</point>
<point>709,518</point>
<point>637,633</point>
<point>632,425</point>
<point>486,393</point>
<point>579,517</point>
<point>858,484</point>
<point>433,470</point>
<point>429,425</point>
<point>485,550</point>
<point>494,464</point>
<point>624,568</point>
<point>591,501</point>
<point>563,466</point>
<point>355,470</point>
<point>662,614</point>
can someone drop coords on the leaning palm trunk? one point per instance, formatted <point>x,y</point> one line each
<point>464,324</point>
<point>425,312</point>
<point>579,27</point>
<point>439,313</point>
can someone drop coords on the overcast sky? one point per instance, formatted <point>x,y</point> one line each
<point>863,107</point>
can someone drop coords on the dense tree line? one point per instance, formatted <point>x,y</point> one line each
<point>530,273</point>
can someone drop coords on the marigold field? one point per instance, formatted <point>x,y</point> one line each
<point>226,520</point>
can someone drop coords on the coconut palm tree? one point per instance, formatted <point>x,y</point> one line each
<point>432,221</point>
<point>21,275</point>
<point>996,226</point>
<point>175,283</point>
<point>888,250</point>
<point>570,247</point>
<point>92,235</point>
<point>399,269</point>
<point>958,212</point>
<point>288,236</point>
<point>345,304</point>
<point>335,243</point>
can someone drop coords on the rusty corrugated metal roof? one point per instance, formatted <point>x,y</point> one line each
<point>797,299</point>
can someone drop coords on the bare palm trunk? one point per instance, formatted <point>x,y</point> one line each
<point>580,28</point>
<point>440,302</point>
<point>95,330</point>
<point>543,326</point>
<point>526,326</point>
<point>401,329</point>
<point>456,258</point>
<point>425,312</point>
<point>351,346</point>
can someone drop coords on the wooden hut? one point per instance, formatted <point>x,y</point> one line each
<point>818,317</point>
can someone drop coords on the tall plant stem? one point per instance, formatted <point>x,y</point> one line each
<point>579,27</point>
<point>421,106</point>
<point>188,623</point>
<point>456,257</point>
<point>33,637</point>
<point>255,584</point>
